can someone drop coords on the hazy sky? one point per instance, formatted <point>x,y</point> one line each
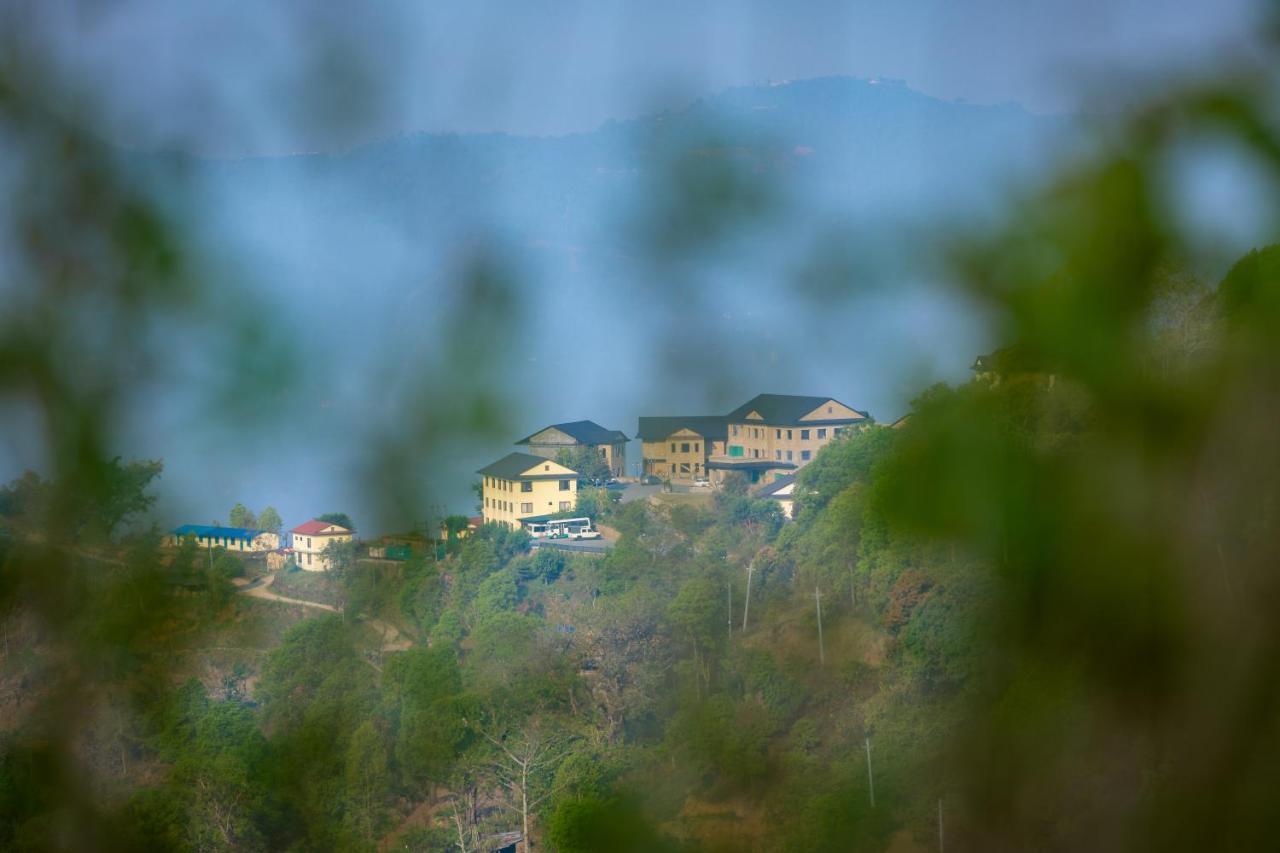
<point>230,78</point>
<point>234,76</point>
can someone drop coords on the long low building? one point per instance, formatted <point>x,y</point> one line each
<point>231,538</point>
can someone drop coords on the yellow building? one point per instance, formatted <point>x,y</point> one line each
<point>677,447</point>
<point>774,434</point>
<point>237,539</point>
<point>609,444</point>
<point>310,540</point>
<point>521,487</point>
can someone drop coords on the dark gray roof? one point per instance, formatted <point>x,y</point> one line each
<point>511,466</point>
<point>584,432</point>
<point>713,427</point>
<point>782,409</point>
<point>780,483</point>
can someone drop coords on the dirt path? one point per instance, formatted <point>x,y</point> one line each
<point>260,589</point>
<point>392,638</point>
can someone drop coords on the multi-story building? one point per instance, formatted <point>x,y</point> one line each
<point>239,539</point>
<point>778,433</point>
<point>609,444</point>
<point>309,541</point>
<point>677,447</point>
<point>522,487</point>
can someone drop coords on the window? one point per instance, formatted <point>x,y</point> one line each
<point>526,486</point>
<point>804,435</point>
<point>788,455</point>
<point>735,429</point>
<point>777,454</point>
<point>673,467</point>
<point>804,455</point>
<point>684,467</point>
<point>837,430</point>
<point>822,433</point>
<point>564,485</point>
<point>779,433</point>
<point>564,505</point>
<point>684,448</point>
<point>789,435</point>
<point>695,448</point>
<point>309,560</point>
<point>526,507</point>
<point>828,410</point>
<point>673,447</point>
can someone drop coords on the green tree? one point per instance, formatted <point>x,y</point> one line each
<point>339,518</point>
<point>241,516</point>
<point>368,781</point>
<point>270,521</point>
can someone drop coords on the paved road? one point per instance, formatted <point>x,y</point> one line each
<point>584,546</point>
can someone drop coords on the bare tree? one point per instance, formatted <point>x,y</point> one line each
<point>524,761</point>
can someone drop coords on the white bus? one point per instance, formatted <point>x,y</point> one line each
<point>562,528</point>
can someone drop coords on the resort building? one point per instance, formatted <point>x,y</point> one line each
<point>310,541</point>
<point>776,434</point>
<point>677,447</point>
<point>240,539</point>
<point>609,444</point>
<point>522,487</point>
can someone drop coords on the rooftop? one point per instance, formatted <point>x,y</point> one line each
<point>203,531</point>
<point>712,427</point>
<point>784,409</point>
<point>584,432</point>
<point>316,528</point>
<point>514,465</point>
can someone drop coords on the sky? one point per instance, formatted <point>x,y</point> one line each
<point>234,79</point>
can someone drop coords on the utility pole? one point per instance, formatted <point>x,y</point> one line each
<point>751,567</point>
<point>730,607</point>
<point>941,841</point>
<point>822,652</point>
<point>871,779</point>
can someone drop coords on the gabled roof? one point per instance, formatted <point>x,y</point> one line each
<point>514,465</point>
<point>204,531</point>
<point>782,409</point>
<point>710,427</point>
<point>779,488</point>
<point>583,432</point>
<point>317,528</point>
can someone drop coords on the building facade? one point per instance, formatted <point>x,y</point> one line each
<point>523,487</point>
<point>677,448</point>
<point>239,539</point>
<point>776,434</point>
<point>609,444</point>
<point>311,539</point>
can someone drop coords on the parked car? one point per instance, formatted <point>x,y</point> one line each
<point>702,483</point>
<point>651,480</point>
<point>585,534</point>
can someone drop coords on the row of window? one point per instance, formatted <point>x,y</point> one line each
<point>525,508</point>
<point>525,485</point>
<point>684,447</point>
<point>805,455</point>
<point>805,434</point>
<point>684,468</point>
